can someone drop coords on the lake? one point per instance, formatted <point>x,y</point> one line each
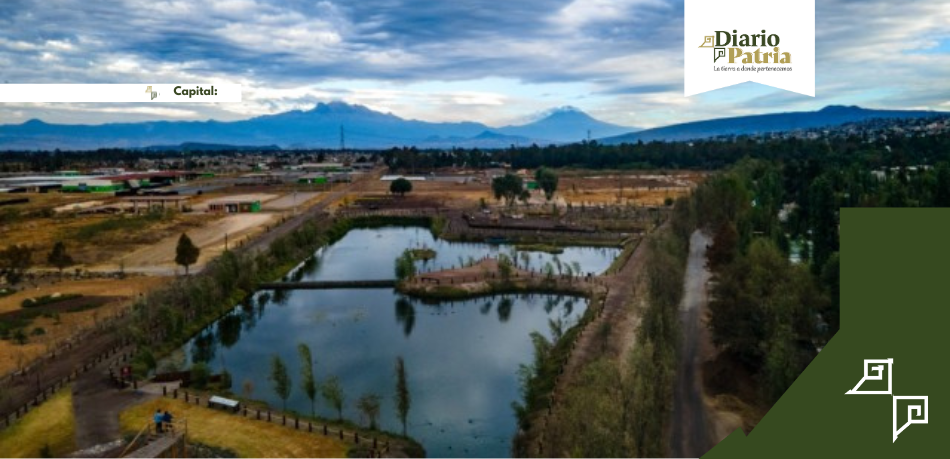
<point>462,358</point>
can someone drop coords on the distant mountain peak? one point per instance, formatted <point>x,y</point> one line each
<point>555,112</point>
<point>338,106</point>
<point>564,124</point>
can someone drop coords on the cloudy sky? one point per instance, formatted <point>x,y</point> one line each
<point>490,61</point>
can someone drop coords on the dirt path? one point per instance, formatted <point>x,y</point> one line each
<point>160,258</point>
<point>616,312</point>
<point>325,200</point>
<point>21,389</point>
<point>690,433</point>
<point>97,403</point>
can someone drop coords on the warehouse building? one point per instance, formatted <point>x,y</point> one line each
<point>234,206</point>
<point>98,185</point>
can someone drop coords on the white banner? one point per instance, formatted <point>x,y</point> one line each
<point>771,42</point>
<point>163,93</point>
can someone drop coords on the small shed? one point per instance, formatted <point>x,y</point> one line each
<point>235,207</point>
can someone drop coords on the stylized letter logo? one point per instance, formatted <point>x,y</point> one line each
<point>720,52</point>
<point>914,415</point>
<point>874,370</point>
<point>878,375</point>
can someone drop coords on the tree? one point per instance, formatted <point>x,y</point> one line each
<point>280,378</point>
<point>547,180</point>
<point>406,315</point>
<point>403,398</point>
<point>186,254</point>
<point>400,186</point>
<point>59,258</point>
<point>507,187</point>
<point>505,268</point>
<point>200,374</point>
<point>724,247</point>
<point>14,261</point>
<point>524,196</point>
<point>942,194</point>
<point>307,382</point>
<point>368,404</point>
<point>824,221</point>
<point>831,281</point>
<point>405,266</point>
<point>332,392</point>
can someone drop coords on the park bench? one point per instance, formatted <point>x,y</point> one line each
<point>226,403</point>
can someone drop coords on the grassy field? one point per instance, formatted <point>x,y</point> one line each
<point>246,437</point>
<point>51,426</point>
<point>13,355</point>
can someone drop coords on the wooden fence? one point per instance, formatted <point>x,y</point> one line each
<point>121,352</point>
<point>378,447</point>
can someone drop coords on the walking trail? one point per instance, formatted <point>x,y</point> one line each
<point>690,433</point>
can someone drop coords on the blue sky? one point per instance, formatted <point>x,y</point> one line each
<point>489,61</point>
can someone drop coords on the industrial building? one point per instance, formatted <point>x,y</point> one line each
<point>96,185</point>
<point>72,182</point>
<point>149,203</point>
<point>325,167</point>
<point>312,179</point>
<point>234,206</point>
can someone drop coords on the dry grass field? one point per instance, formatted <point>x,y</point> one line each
<point>246,437</point>
<point>575,187</point>
<point>13,355</point>
<point>51,426</point>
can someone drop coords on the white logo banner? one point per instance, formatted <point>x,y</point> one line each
<point>772,42</point>
<point>139,92</point>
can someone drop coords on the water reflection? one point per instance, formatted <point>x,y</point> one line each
<point>405,315</point>
<point>462,357</point>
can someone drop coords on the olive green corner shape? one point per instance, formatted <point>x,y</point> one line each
<point>895,293</point>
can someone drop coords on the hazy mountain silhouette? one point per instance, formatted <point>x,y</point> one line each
<point>833,115</point>
<point>318,127</point>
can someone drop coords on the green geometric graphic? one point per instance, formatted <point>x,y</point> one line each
<point>895,304</point>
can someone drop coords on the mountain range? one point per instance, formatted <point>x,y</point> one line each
<point>320,127</point>
<point>832,115</point>
<point>362,128</point>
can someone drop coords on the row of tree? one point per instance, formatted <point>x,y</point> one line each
<point>824,153</point>
<point>621,409</point>
<point>332,390</point>
<point>511,186</point>
<point>16,259</point>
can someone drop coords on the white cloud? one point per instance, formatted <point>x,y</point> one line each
<point>490,62</point>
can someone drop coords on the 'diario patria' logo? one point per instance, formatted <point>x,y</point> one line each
<point>741,41</point>
<point>760,48</point>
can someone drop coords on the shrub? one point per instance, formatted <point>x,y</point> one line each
<point>200,375</point>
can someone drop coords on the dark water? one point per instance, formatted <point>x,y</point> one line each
<point>462,358</point>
